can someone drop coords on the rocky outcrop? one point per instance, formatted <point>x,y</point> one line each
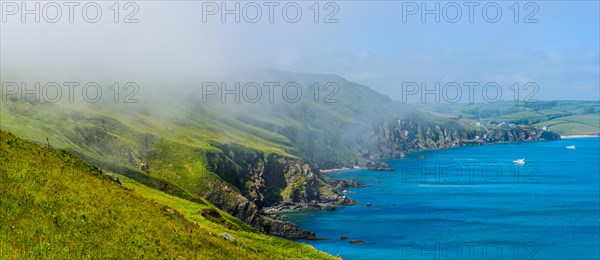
<point>379,166</point>
<point>517,135</point>
<point>270,179</point>
<point>342,184</point>
<point>394,139</point>
<point>228,199</point>
<point>285,229</point>
<point>255,183</point>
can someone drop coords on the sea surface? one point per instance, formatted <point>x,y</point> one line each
<point>471,203</point>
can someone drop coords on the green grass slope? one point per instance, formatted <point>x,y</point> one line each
<point>54,205</point>
<point>172,141</point>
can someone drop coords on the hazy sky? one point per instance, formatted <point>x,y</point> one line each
<point>381,44</point>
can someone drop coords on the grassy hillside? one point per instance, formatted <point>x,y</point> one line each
<point>311,129</point>
<point>241,157</point>
<point>54,205</point>
<point>562,117</point>
<point>176,143</point>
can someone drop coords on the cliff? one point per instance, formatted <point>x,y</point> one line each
<point>263,180</point>
<point>393,140</point>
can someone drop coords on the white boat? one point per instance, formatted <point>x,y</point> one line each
<point>571,147</point>
<point>519,161</point>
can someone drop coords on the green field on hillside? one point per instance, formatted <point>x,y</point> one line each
<point>562,117</point>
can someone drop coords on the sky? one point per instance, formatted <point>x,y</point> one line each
<point>548,50</point>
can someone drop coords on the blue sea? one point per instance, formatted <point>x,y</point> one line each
<point>471,203</point>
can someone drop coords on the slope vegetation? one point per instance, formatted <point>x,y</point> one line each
<point>563,117</point>
<point>54,205</point>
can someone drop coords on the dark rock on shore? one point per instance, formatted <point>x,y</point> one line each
<point>285,229</point>
<point>288,206</point>
<point>379,166</point>
<point>342,184</point>
<point>278,217</point>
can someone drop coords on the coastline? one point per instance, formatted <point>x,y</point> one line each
<point>394,190</point>
<point>579,136</point>
<point>279,211</point>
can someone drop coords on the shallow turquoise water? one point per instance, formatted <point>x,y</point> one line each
<point>472,203</point>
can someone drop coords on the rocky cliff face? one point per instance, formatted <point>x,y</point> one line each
<point>254,181</point>
<point>270,179</point>
<point>393,140</point>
